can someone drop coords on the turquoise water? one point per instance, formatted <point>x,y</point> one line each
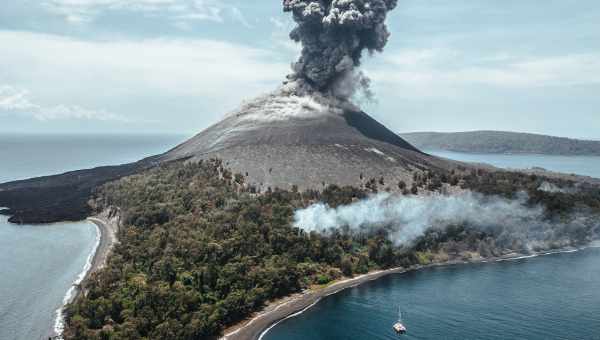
<point>580,165</point>
<point>38,264</point>
<point>547,297</point>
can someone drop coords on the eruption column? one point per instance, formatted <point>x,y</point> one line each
<point>334,34</point>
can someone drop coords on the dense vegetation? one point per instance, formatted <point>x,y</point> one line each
<point>200,250</point>
<point>502,142</point>
<point>560,197</point>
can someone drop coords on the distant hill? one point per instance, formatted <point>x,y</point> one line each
<point>502,142</point>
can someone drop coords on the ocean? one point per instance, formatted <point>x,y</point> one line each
<point>26,156</point>
<point>548,297</point>
<point>580,165</point>
<point>39,264</point>
<point>541,298</point>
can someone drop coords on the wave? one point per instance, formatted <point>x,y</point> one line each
<point>518,258</point>
<point>59,322</point>
<point>594,244</point>
<point>563,251</point>
<point>287,317</point>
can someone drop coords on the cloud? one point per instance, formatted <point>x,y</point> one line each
<point>142,80</point>
<point>12,99</point>
<point>440,68</point>
<point>18,101</point>
<point>278,23</point>
<point>280,36</point>
<point>177,66</point>
<point>178,11</point>
<point>419,58</point>
<point>64,112</point>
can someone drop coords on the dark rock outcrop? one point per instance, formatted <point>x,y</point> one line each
<point>61,197</point>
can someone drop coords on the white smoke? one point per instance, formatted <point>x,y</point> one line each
<point>354,84</point>
<point>410,216</point>
<point>293,100</point>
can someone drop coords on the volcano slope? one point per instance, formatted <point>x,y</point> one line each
<point>284,139</point>
<point>308,141</point>
<point>61,197</point>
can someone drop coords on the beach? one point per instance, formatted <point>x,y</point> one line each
<point>293,305</point>
<point>108,238</point>
<point>297,303</point>
<point>107,225</point>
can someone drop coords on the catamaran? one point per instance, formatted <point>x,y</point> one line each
<point>399,326</point>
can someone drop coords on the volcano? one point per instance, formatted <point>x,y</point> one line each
<point>305,135</point>
<point>291,138</point>
<point>287,139</point>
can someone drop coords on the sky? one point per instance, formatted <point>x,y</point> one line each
<point>177,66</point>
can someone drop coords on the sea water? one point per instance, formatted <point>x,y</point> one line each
<point>580,165</point>
<point>26,156</point>
<point>541,298</point>
<point>39,264</point>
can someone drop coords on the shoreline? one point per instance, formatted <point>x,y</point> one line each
<point>106,230</point>
<point>280,310</point>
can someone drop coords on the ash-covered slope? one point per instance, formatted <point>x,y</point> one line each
<point>288,138</point>
<point>308,140</point>
<point>307,133</point>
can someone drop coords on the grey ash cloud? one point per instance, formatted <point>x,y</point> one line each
<point>334,34</point>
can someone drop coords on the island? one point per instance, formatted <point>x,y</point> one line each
<point>502,142</point>
<point>202,254</point>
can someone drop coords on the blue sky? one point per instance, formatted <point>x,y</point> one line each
<point>177,66</point>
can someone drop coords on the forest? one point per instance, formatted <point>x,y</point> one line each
<point>201,249</point>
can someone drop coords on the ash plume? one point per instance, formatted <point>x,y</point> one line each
<point>334,34</point>
<point>409,217</point>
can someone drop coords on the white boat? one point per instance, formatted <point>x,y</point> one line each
<point>399,326</point>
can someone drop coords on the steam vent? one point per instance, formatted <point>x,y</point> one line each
<point>293,137</point>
